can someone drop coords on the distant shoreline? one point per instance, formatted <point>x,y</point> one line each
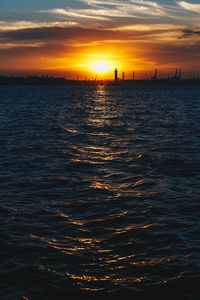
<point>52,81</point>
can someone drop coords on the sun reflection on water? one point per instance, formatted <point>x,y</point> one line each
<point>104,158</point>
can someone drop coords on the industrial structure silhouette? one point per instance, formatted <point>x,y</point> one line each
<point>50,80</point>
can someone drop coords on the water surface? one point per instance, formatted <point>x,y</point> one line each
<point>100,192</point>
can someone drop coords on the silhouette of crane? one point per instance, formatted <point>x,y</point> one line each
<point>155,77</point>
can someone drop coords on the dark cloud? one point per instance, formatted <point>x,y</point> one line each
<point>50,41</point>
<point>61,34</point>
<point>49,50</point>
<point>56,34</point>
<point>188,33</point>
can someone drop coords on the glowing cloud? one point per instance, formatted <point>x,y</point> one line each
<point>190,6</point>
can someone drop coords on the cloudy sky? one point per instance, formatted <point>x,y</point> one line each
<point>65,37</point>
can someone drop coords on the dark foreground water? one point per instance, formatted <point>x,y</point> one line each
<point>100,191</point>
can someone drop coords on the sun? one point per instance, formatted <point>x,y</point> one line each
<point>101,66</point>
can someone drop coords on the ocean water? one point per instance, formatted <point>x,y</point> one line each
<point>99,192</point>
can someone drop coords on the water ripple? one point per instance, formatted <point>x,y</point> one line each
<point>99,192</point>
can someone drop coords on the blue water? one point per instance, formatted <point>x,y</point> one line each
<point>100,192</point>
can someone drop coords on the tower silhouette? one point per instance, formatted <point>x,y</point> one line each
<point>116,75</point>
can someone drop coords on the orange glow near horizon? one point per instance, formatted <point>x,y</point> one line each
<point>95,64</point>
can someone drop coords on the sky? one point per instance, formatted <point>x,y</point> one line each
<point>72,38</point>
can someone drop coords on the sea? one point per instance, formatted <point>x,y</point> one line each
<point>100,192</point>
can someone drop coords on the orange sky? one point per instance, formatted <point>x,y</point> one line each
<point>137,35</point>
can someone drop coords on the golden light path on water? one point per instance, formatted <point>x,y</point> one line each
<point>103,114</point>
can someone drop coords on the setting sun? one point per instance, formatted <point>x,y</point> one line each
<point>101,66</point>
<point>98,66</point>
